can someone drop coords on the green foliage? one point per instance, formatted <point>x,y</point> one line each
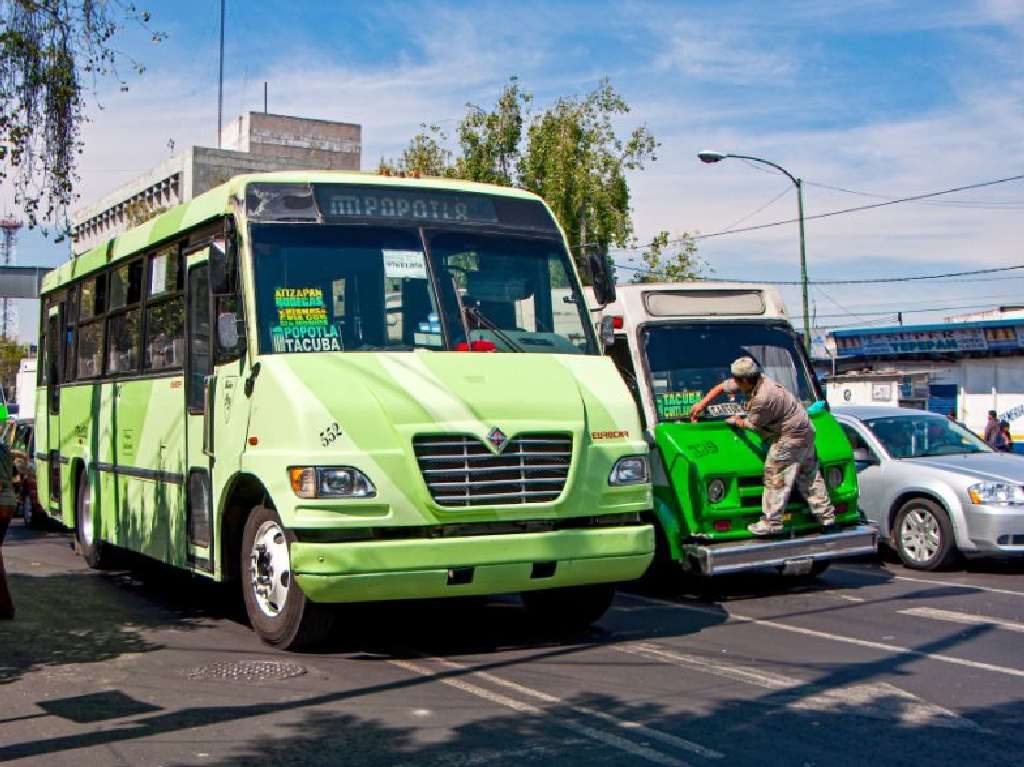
<point>11,354</point>
<point>49,51</point>
<point>569,154</point>
<point>670,260</point>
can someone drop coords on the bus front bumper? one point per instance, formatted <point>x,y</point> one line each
<point>731,557</point>
<point>369,571</point>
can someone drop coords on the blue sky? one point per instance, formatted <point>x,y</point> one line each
<point>887,98</point>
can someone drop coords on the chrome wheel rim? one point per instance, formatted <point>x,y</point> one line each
<point>920,535</point>
<point>270,571</point>
<point>86,530</point>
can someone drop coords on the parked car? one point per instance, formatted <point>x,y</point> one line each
<point>21,441</point>
<point>934,489</point>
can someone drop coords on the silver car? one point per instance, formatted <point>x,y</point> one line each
<point>934,488</point>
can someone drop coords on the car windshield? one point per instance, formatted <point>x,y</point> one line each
<point>331,288</point>
<point>920,436</point>
<point>687,360</point>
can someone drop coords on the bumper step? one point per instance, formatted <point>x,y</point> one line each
<point>731,557</point>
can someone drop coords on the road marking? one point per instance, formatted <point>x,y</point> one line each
<point>882,580</point>
<point>951,616</point>
<point>671,740</point>
<point>876,700</point>
<point>734,617</point>
<point>522,707</point>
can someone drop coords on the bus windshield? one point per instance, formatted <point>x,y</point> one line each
<point>325,287</point>
<point>687,360</point>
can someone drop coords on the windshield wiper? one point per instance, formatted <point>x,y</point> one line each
<point>481,319</point>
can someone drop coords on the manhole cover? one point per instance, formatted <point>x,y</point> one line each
<point>248,671</point>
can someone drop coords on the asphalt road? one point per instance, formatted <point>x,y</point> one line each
<point>871,664</point>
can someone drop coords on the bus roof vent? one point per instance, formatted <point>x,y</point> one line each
<point>702,303</point>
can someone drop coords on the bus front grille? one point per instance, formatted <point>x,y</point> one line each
<point>460,470</point>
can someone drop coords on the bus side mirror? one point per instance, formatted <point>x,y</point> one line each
<point>608,331</point>
<point>604,285</point>
<point>227,330</point>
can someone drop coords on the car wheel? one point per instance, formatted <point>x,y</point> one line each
<point>923,535</point>
<point>279,612</point>
<point>568,609</point>
<point>93,550</point>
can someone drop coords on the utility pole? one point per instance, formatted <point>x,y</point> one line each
<point>264,97</point>
<point>220,79</point>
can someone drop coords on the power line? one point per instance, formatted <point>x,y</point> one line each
<point>867,281</point>
<point>842,211</point>
<point>754,212</point>
<point>907,311</point>
<point>990,204</point>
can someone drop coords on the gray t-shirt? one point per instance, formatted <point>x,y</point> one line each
<point>775,413</point>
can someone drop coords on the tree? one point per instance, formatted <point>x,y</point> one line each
<point>569,154</point>
<point>426,155</point>
<point>11,354</point>
<point>670,260</point>
<point>50,50</point>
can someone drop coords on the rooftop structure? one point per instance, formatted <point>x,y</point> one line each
<point>253,143</point>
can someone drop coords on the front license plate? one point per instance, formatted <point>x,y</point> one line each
<point>797,566</point>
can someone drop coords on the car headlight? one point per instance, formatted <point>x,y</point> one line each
<point>330,482</point>
<point>834,477</point>
<point>996,492</point>
<point>629,470</point>
<point>716,490</point>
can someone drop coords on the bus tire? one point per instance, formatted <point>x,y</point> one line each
<point>92,549</point>
<point>571,608</point>
<point>278,611</point>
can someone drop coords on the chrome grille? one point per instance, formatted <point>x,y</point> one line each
<point>460,470</point>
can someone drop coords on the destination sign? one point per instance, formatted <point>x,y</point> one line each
<point>345,201</point>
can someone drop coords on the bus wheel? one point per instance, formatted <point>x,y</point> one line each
<point>92,548</point>
<point>568,609</point>
<point>279,612</point>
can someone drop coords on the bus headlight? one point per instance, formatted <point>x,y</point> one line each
<point>834,477</point>
<point>330,482</point>
<point>630,470</point>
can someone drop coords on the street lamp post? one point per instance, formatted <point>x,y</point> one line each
<point>710,157</point>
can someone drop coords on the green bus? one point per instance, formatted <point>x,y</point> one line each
<point>341,387</point>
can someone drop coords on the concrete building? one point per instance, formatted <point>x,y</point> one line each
<point>255,142</point>
<point>966,368</point>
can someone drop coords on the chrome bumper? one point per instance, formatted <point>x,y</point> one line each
<point>730,557</point>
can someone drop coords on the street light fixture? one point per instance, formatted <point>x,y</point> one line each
<point>708,156</point>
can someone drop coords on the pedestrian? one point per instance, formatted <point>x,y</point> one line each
<point>7,501</point>
<point>951,416</point>
<point>781,420</point>
<point>991,430</point>
<point>1005,438</point>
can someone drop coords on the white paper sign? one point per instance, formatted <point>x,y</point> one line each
<point>158,275</point>
<point>404,263</point>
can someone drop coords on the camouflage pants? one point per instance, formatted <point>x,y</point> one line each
<point>789,465</point>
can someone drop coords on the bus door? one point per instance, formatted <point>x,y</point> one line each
<point>53,373</point>
<point>199,386</point>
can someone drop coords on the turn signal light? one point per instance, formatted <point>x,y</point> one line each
<point>723,525</point>
<point>618,322</point>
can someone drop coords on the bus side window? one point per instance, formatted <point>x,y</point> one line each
<point>199,363</point>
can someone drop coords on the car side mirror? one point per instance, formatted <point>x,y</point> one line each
<point>864,456</point>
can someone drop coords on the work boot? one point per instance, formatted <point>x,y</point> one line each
<point>764,527</point>
<point>826,520</point>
